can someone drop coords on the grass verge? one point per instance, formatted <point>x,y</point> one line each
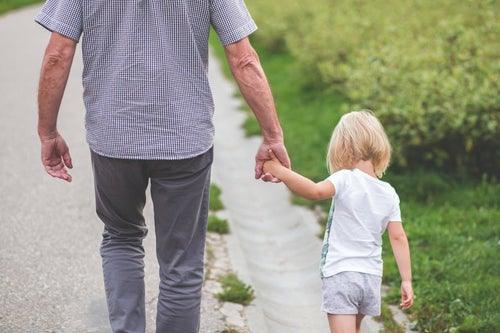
<point>234,290</point>
<point>453,224</point>
<point>215,201</point>
<point>217,225</point>
<point>386,318</point>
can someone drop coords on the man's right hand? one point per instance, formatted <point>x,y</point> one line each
<point>55,156</point>
<point>248,73</point>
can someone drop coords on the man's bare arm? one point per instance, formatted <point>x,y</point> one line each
<point>248,73</point>
<point>53,78</point>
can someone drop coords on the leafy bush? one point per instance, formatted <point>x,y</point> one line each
<point>7,5</point>
<point>429,70</point>
<point>274,19</point>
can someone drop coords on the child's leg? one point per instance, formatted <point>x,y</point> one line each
<point>342,323</point>
<point>359,318</point>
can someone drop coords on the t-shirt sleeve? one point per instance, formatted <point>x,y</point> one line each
<point>340,181</point>
<point>231,20</point>
<point>62,16</point>
<point>395,215</point>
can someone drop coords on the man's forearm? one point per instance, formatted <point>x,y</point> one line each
<point>53,78</point>
<point>254,87</point>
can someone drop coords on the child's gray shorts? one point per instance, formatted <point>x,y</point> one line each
<point>352,293</point>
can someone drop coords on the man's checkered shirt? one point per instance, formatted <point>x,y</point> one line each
<point>145,81</point>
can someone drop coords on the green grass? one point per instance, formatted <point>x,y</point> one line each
<point>217,225</point>
<point>215,201</point>
<point>8,5</point>
<point>453,224</point>
<point>234,290</point>
<point>386,318</point>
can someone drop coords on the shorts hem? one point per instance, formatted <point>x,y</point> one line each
<point>369,313</point>
<point>346,312</point>
<point>337,312</point>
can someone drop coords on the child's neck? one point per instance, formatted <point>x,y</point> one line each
<point>366,167</point>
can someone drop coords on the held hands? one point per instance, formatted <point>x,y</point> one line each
<point>406,295</point>
<point>55,157</point>
<point>273,165</point>
<point>278,151</point>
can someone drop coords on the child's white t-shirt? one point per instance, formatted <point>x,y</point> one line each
<point>362,207</point>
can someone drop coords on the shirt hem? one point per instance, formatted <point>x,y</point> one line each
<point>238,34</point>
<point>350,269</point>
<point>54,25</point>
<point>167,157</point>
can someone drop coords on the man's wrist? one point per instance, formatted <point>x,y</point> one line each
<point>45,134</point>
<point>273,137</point>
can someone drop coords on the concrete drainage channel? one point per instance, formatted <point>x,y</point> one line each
<point>273,245</point>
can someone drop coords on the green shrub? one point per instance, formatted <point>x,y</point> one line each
<point>234,290</point>
<point>215,201</point>
<point>273,19</point>
<point>217,225</point>
<point>429,70</point>
<point>452,224</point>
<point>7,5</point>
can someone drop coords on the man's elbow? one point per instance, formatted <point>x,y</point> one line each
<point>59,54</point>
<point>54,59</point>
<point>243,59</point>
<point>247,59</point>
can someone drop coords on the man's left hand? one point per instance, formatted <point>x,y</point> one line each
<point>279,150</point>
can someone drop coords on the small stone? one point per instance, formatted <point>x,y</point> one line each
<point>213,287</point>
<point>229,308</point>
<point>217,272</point>
<point>221,264</point>
<point>237,322</point>
<point>232,312</point>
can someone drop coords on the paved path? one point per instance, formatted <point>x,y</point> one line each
<point>50,275</point>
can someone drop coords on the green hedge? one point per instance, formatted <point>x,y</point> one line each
<point>429,70</point>
<point>8,5</point>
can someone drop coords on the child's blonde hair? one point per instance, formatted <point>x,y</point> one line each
<point>359,135</point>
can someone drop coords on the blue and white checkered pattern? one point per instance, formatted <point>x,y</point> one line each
<point>145,81</point>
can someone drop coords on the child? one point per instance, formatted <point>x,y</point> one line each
<point>363,207</point>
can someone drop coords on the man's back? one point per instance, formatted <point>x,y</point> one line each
<point>148,103</point>
<point>146,89</point>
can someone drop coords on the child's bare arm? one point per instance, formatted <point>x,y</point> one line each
<point>401,250</point>
<point>299,184</point>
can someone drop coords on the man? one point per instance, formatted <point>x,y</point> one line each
<point>149,118</point>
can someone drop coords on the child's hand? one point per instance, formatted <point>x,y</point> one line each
<point>273,165</point>
<point>406,295</point>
